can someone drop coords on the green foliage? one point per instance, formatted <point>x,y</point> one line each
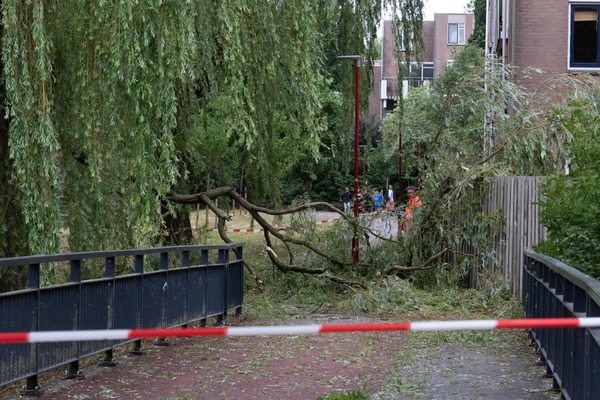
<point>395,295</point>
<point>478,8</point>
<point>570,207</point>
<point>111,105</point>
<point>459,155</point>
<point>354,395</point>
<point>32,143</point>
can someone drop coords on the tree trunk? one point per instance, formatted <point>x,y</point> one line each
<point>176,229</point>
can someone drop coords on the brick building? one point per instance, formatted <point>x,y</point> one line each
<point>442,38</point>
<point>556,36</point>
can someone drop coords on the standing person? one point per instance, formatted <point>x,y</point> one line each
<point>414,201</point>
<point>346,198</point>
<point>390,198</point>
<point>377,200</point>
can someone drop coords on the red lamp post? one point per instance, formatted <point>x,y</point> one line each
<point>357,59</point>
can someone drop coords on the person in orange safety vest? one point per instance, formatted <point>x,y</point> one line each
<point>414,201</point>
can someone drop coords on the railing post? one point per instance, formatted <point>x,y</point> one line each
<point>164,266</point>
<point>239,253</point>
<point>185,259</point>
<point>224,261</point>
<point>73,371</point>
<point>139,264</point>
<point>138,350</point>
<point>32,388</point>
<point>110,272</point>
<point>33,277</point>
<point>185,263</point>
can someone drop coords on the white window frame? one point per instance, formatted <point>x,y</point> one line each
<point>400,43</point>
<point>460,33</point>
<point>415,70</point>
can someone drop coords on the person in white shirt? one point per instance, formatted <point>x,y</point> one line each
<point>390,198</point>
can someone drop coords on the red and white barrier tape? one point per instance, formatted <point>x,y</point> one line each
<point>324,221</point>
<point>237,230</point>
<point>250,230</point>
<point>120,334</point>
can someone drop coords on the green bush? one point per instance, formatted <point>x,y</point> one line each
<point>345,396</point>
<point>571,202</point>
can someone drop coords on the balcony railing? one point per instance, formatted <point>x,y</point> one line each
<point>393,90</point>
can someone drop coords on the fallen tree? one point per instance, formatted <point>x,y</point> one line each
<point>271,231</point>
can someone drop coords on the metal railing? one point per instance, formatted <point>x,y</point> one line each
<point>159,288</point>
<point>552,289</point>
<point>394,87</point>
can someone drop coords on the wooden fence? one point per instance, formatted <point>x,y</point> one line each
<point>516,196</point>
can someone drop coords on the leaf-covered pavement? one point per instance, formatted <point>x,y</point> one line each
<point>384,365</point>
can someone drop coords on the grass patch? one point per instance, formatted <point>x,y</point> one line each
<point>345,396</point>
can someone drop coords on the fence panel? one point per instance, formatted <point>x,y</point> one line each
<point>515,197</point>
<point>166,297</point>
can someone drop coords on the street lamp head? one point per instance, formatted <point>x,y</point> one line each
<point>352,57</point>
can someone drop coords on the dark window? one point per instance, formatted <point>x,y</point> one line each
<point>428,71</point>
<point>584,36</point>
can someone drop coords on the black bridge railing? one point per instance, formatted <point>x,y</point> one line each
<point>156,288</point>
<point>552,289</point>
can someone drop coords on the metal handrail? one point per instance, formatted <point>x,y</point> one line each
<point>552,289</point>
<point>207,282</point>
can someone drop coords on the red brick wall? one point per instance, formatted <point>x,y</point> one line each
<point>390,69</point>
<point>375,95</point>
<point>442,51</point>
<point>428,40</point>
<point>540,38</point>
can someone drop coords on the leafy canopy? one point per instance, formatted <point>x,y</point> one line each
<point>570,205</point>
<point>458,134</point>
<point>112,104</point>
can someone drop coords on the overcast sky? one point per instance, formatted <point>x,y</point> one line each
<point>443,6</point>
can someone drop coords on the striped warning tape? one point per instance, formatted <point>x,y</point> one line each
<point>120,334</point>
<point>236,230</point>
<point>250,230</point>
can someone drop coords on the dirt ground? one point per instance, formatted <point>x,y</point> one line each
<point>382,365</point>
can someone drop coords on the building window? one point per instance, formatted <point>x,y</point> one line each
<point>416,74</point>
<point>456,33</point>
<point>427,71</point>
<point>584,50</point>
<point>404,41</point>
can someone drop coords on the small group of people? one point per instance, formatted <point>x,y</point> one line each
<point>386,198</point>
<point>383,198</point>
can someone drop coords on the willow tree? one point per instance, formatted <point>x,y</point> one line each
<point>111,105</point>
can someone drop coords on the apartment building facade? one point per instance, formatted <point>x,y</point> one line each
<point>442,38</point>
<point>555,36</point>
